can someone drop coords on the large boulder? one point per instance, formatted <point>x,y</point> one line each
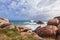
<point>10,26</point>
<point>22,29</point>
<point>53,22</point>
<point>4,23</point>
<point>47,31</point>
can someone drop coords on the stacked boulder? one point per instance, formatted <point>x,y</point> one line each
<point>22,29</point>
<point>4,23</point>
<point>52,29</point>
<point>48,31</point>
<point>54,22</point>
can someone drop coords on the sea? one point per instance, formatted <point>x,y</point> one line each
<point>27,23</point>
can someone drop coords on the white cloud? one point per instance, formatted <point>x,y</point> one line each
<point>53,9</point>
<point>36,7</point>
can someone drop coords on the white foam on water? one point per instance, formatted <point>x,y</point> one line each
<point>34,26</point>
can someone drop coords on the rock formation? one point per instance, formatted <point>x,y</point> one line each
<point>47,31</point>
<point>4,23</point>
<point>22,29</point>
<point>52,29</point>
<point>40,22</point>
<point>53,22</point>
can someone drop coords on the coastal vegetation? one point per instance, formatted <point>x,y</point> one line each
<point>14,34</point>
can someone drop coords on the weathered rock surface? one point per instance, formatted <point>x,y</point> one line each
<point>22,29</point>
<point>48,31</point>
<point>58,32</point>
<point>52,29</point>
<point>10,26</point>
<point>4,23</point>
<point>53,22</point>
<point>40,22</point>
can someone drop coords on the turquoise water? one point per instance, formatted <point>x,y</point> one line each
<point>17,22</point>
<point>26,23</point>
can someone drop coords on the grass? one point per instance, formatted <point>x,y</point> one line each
<point>14,34</point>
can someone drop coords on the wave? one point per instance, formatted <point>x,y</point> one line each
<point>33,25</point>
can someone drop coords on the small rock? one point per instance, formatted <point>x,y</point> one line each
<point>40,22</point>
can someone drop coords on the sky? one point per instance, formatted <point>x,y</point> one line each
<point>29,9</point>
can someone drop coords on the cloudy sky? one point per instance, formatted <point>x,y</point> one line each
<point>29,9</point>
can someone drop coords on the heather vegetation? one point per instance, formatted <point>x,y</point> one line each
<point>13,34</point>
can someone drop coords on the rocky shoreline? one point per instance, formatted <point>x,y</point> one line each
<point>49,32</point>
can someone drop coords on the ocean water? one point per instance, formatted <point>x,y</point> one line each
<point>28,24</point>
